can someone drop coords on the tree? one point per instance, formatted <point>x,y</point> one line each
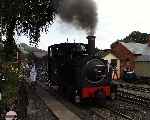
<point>137,37</point>
<point>28,17</point>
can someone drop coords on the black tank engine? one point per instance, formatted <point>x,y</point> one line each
<point>77,72</point>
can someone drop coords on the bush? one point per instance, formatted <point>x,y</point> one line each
<point>9,86</point>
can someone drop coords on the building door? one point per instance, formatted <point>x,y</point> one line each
<point>115,75</point>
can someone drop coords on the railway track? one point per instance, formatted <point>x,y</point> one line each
<point>134,87</point>
<point>119,109</point>
<point>88,111</point>
<point>135,94</point>
<point>108,114</point>
<point>133,97</point>
<point>125,108</point>
<point>122,110</point>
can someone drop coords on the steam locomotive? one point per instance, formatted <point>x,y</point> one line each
<point>78,73</point>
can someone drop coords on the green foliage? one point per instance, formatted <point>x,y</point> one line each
<point>9,52</point>
<point>137,37</point>
<point>26,16</point>
<point>9,86</point>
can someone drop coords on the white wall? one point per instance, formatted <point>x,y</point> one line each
<point>109,57</point>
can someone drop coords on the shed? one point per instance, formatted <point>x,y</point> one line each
<point>137,55</point>
<point>124,52</point>
<point>142,66</point>
<point>111,58</point>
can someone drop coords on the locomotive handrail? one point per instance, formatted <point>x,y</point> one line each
<point>99,65</point>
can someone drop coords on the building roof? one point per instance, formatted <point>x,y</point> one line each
<point>25,49</point>
<point>22,49</point>
<point>39,53</point>
<point>109,56</point>
<point>103,53</point>
<point>138,48</point>
<point>135,48</point>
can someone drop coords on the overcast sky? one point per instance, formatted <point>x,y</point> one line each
<point>116,19</point>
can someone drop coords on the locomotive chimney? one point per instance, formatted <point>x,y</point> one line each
<point>91,45</point>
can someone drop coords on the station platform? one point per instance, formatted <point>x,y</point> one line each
<point>56,107</point>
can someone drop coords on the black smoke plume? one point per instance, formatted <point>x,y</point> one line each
<point>81,13</point>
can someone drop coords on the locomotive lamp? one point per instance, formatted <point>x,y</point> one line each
<point>3,78</point>
<point>91,45</point>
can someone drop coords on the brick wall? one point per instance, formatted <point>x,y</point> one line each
<point>124,55</point>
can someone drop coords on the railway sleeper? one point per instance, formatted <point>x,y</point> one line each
<point>134,99</point>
